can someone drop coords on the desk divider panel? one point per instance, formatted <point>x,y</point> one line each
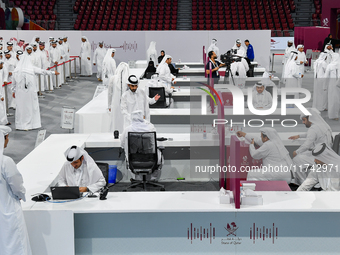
<point>233,175</point>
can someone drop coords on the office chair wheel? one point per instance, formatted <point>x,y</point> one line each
<point>162,189</point>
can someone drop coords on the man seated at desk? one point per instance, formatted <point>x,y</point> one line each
<point>138,124</point>
<point>325,171</point>
<point>262,99</point>
<point>276,164</point>
<point>80,170</point>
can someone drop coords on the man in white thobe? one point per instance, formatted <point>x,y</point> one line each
<point>274,155</point>
<point>134,99</point>
<point>67,56</point>
<point>286,58</point>
<point>3,80</point>
<point>164,73</point>
<point>36,61</point>
<point>151,53</point>
<point>213,47</point>
<point>116,88</point>
<point>109,66</point>
<point>138,124</point>
<point>262,99</point>
<point>80,170</point>
<point>301,61</point>
<point>240,50</point>
<point>27,115</point>
<point>10,48</point>
<point>98,59</point>
<point>330,51</point>
<point>85,57</point>
<point>45,64</point>
<point>238,73</point>
<point>325,171</point>
<point>292,73</point>
<point>55,59</point>
<point>10,64</point>
<point>320,92</point>
<point>318,132</point>
<point>332,74</point>
<point>14,236</point>
<point>62,60</point>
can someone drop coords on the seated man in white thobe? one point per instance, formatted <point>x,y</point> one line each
<point>134,99</point>
<point>325,171</point>
<point>139,124</point>
<point>14,237</point>
<point>98,59</point>
<point>277,163</point>
<point>80,170</point>
<point>318,132</point>
<point>262,99</point>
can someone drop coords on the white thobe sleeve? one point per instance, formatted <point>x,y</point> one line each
<point>61,179</point>
<point>311,137</point>
<point>310,182</point>
<point>163,74</point>
<point>262,152</point>
<point>95,56</point>
<point>98,178</point>
<point>14,178</point>
<point>42,71</point>
<point>109,94</point>
<point>123,105</point>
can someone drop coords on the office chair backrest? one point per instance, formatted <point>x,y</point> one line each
<point>142,151</point>
<point>161,103</point>
<point>104,167</point>
<point>336,144</point>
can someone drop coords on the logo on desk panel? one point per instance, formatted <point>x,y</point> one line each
<point>231,235</point>
<point>201,233</point>
<point>262,233</point>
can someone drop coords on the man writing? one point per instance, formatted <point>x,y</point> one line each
<point>80,170</point>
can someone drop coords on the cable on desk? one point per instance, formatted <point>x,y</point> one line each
<point>66,201</point>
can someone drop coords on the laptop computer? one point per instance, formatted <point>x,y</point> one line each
<point>71,192</point>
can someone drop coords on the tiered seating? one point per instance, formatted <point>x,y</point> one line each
<point>126,14</point>
<point>243,15</point>
<point>317,16</point>
<point>40,12</point>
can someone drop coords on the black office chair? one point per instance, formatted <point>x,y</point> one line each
<point>161,102</point>
<point>143,157</point>
<point>104,167</point>
<point>336,144</point>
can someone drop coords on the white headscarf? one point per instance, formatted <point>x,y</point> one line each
<point>317,120</point>
<point>326,154</point>
<point>299,46</point>
<point>74,153</point>
<point>322,57</point>
<point>24,73</point>
<point>275,138</point>
<point>154,80</point>
<point>259,84</point>
<point>119,79</point>
<point>4,130</point>
<point>107,58</point>
<point>162,63</point>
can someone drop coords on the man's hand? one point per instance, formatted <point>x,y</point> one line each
<point>56,63</point>
<point>56,73</point>
<point>294,137</point>
<point>156,97</point>
<point>294,154</point>
<point>240,134</point>
<point>13,94</point>
<point>109,109</point>
<point>252,141</point>
<point>174,82</point>
<point>82,189</point>
<point>61,57</point>
<point>10,73</point>
<point>94,64</point>
<point>172,79</point>
<point>172,87</point>
<point>301,62</point>
<point>2,99</point>
<point>301,75</point>
<point>5,83</point>
<point>88,58</point>
<point>207,71</point>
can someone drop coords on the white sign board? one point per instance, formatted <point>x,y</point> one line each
<point>67,117</point>
<point>99,89</point>
<point>40,137</point>
<point>280,43</point>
